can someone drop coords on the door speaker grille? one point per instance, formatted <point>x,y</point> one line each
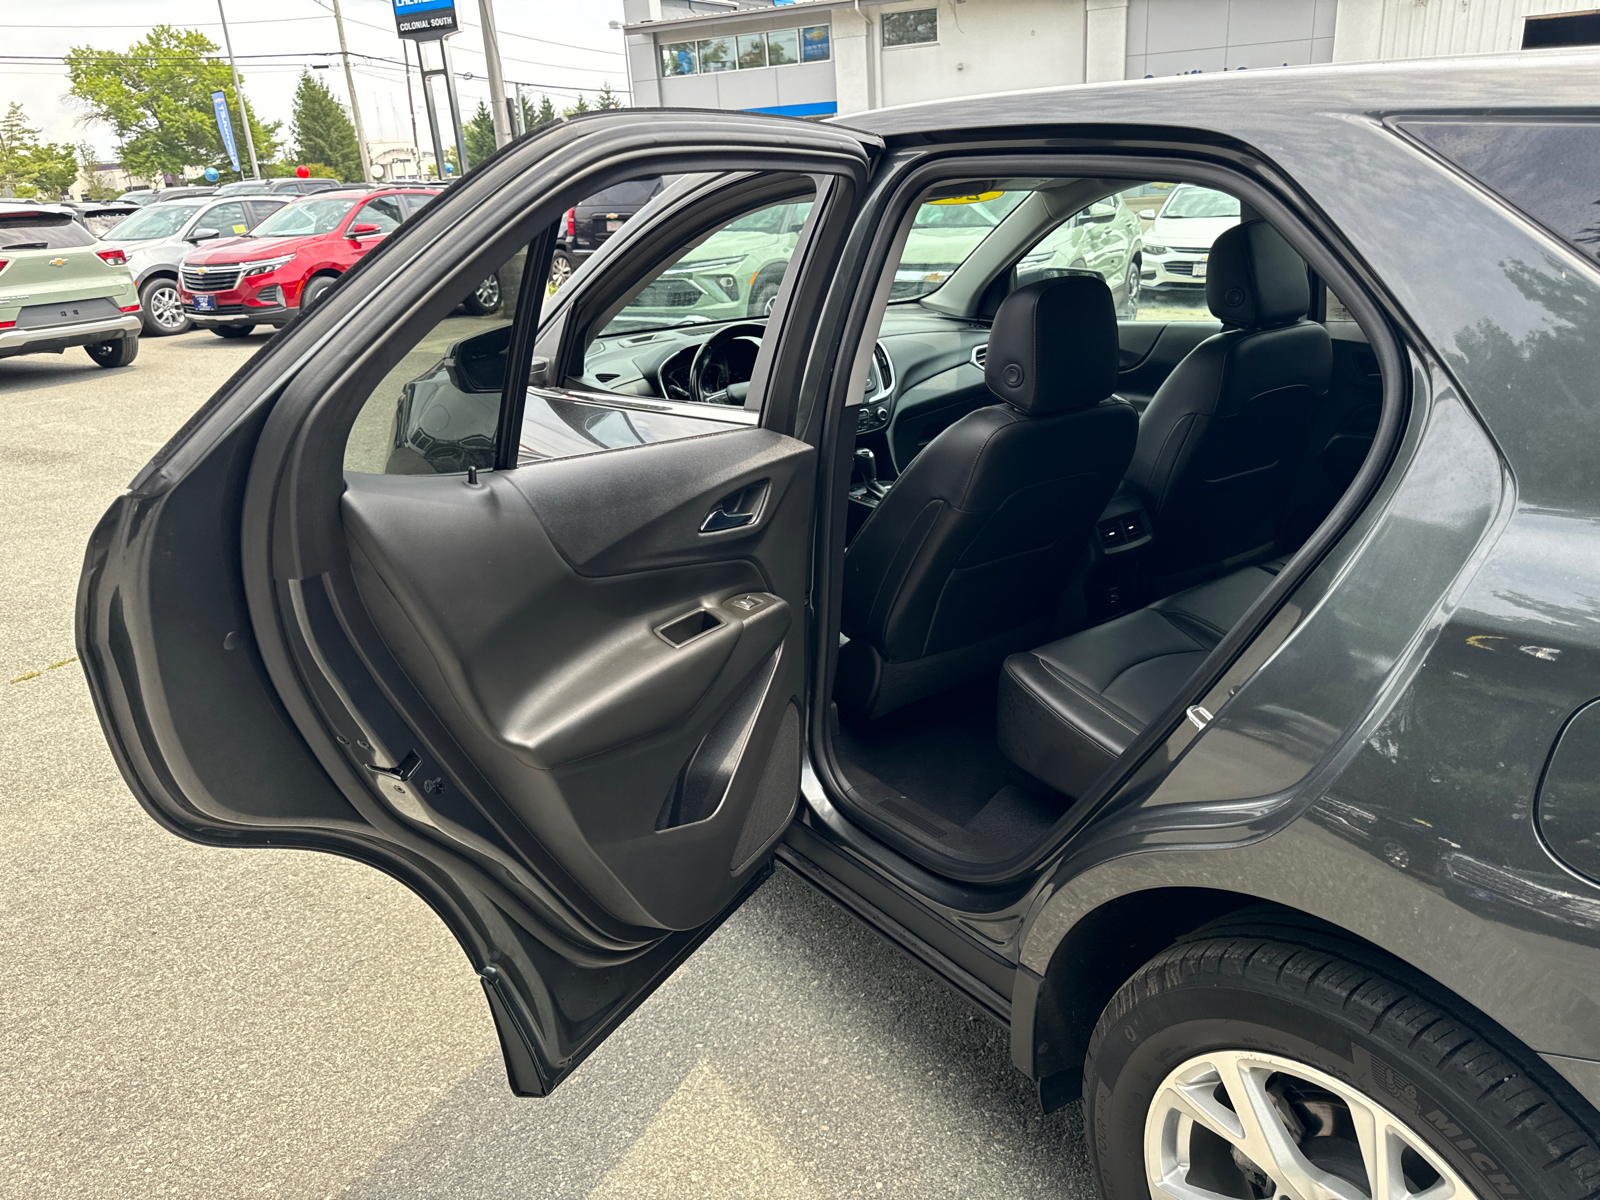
<point>776,794</point>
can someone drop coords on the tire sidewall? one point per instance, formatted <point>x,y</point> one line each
<point>151,327</point>
<point>1159,1032</point>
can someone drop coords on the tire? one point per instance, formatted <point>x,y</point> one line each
<point>118,353</point>
<point>486,299</point>
<point>161,310</point>
<point>315,290</point>
<point>233,331</point>
<point>561,268</point>
<point>1300,1027</point>
<point>1132,284</point>
<point>761,298</point>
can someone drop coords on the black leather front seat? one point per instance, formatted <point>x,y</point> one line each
<point>965,559</point>
<point>1068,710</point>
<point>1221,440</point>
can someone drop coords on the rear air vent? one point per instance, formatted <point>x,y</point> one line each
<point>980,355</point>
<point>1123,530</point>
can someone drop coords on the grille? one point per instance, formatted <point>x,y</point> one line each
<point>216,279</point>
<point>1190,249</point>
<point>669,293</point>
<point>1181,268</point>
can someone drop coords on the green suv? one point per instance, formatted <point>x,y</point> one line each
<point>59,288</point>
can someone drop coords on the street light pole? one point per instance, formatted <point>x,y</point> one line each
<point>244,116</point>
<point>499,110</point>
<point>350,85</point>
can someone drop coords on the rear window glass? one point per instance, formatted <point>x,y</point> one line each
<point>1550,169</point>
<point>41,231</point>
<point>635,191</point>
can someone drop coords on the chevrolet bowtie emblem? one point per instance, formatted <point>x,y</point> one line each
<point>58,262</point>
<point>199,270</point>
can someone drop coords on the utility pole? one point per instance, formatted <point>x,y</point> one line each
<point>411,102</point>
<point>350,84</point>
<point>244,116</point>
<point>499,109</point>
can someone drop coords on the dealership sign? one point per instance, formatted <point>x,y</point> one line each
<point>425,20</point>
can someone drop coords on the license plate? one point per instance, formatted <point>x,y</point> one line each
<point>69,312</point>
<point>613,225</point>
<point>1200,270</point>
<point>205,303</point>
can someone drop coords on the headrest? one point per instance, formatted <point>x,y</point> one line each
<point>1053,346</point>
<point>1255,280</point>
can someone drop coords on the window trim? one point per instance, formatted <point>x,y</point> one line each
<point>800,44</point>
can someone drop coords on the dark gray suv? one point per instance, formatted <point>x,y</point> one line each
<point>1208,696</point>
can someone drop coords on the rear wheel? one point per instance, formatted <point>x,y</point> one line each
<point>232,331</point>
<point>118,353</point>
<point>161,309</point>
<point>1252,1067</point>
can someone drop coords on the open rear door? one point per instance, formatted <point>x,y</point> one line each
<point>544,664</point>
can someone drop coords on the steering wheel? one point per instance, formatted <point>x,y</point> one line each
<point>708,353</point>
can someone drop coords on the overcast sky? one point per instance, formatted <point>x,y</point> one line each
<point>302,32</point>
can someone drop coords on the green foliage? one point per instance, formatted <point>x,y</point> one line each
<point>28,166</point>
<point>478,132</point>
<point>579,106</point>
<point>157,100</point>
<point>323,132</point>
<point>607,98</point>
<point>533,118</point>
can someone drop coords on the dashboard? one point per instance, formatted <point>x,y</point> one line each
<point>923,377</point>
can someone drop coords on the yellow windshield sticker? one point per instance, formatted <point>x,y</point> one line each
<point>239,229</point>
<point>969,199</point>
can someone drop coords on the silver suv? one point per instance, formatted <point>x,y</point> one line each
<point>156,238</point>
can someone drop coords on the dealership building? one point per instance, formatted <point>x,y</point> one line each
<point>818,58</point>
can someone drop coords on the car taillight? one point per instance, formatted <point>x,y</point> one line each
<point>572,222</point>
<point>3,264</point>
<point>115,257</point>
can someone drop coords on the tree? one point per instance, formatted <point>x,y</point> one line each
<point>53,169</point>
<point>579,106</point>
<point>17,140</point>
<point>96,188</point>
<point>322,130</point>
<point>545,114</point>
<point>607,98</point>
<point>157,100</point>
<point>478,133</point>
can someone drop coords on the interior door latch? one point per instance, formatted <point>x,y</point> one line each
<point>736,509</point>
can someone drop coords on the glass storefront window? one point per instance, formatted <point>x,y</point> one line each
<point>814,43</point>
<point>911,28</point>
<point>783,47</point>
<point>716,54</point>
<point>752,50</point>
<point>677,59</point>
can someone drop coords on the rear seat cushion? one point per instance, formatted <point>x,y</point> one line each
<point>1069,709</point>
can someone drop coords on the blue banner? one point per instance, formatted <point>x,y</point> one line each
<point>219,101</point>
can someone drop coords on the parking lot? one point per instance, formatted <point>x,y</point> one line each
<point>185,1021</point>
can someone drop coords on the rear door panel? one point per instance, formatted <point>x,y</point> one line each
<point>528,697</point>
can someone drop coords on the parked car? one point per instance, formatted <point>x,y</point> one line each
<point>156,239</point>
<point>292,186</point>
<point>264,276</point>
<point>167,195</point>
<point>59,288</point>
<point>595,218</point>
<point>100,217</point>
<point>139,196</point>
<point>1236,756</point>
<point>1178,244</point>
<point>1105,239</point>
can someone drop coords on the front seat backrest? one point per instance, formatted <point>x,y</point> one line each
<point>964,560</point>
<point>1221,440</point>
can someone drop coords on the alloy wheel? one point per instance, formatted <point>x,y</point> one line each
<point>560,270</point>
<point>488,294</point>
<point>1131,287</point>
<point>1233,1123</point>
<point>165,308</point>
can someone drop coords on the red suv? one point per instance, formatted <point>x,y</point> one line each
<point>232,285</point>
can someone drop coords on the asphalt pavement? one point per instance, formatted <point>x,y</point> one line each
<point>191,1022</point>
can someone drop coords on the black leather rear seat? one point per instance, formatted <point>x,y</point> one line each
<point>1069,709</point>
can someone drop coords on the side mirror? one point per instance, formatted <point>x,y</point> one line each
<point>363,229</point>
<point>203,235</point>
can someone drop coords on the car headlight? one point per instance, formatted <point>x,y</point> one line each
<point>1154,248</point>
<point>264,266</point>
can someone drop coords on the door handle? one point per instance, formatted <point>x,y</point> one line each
<point>736,509</point>
<point>719,519</point>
